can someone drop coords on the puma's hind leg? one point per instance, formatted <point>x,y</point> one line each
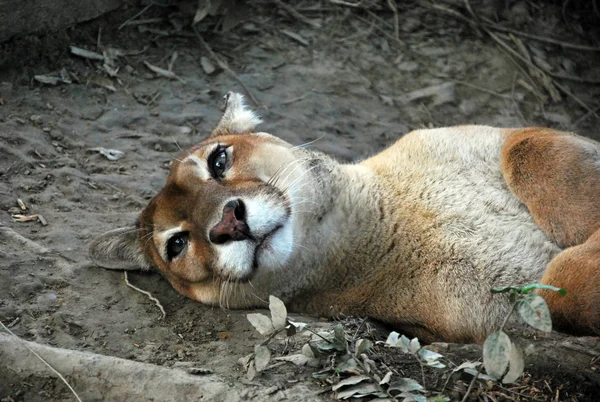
<point>557,176</point>
<point>577,270</point>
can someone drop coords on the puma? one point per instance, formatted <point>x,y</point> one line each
<point>414,236</point>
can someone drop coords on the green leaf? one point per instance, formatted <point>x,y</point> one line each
<point>298,359</point>
<point>410,397</point>
<point>363,346</point>
<point>262,356</point>
<point>339,336</point>
<point>394,340</point>
<point>414,346</point>
<point>261,322</point>
<point>534,311</point>
<point>405,385</point>
<point>529,288</point>
<point>349,366</point>
<point>429,356</point>
<point>496,354</point>
<point>359,391</point>
<point>517,365</point>
<point>278,313</point>
<point>350,381</point>
<point>466,365</point>
<point>327,342</point>
<point>386,378</point>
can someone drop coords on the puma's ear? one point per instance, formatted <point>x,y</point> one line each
<point>118,249</point>
<point>237,118</point>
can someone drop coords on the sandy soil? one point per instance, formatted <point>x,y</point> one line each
<point>352,88</point>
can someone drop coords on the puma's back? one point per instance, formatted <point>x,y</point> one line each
<point>415,236</point>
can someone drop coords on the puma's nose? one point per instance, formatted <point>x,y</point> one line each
<point>233,226</point>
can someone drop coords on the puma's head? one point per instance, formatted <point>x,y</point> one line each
<point>227,210</point>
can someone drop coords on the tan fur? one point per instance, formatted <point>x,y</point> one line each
<point>578,270</point>
<point>557,175</point>
<point>415,236</point>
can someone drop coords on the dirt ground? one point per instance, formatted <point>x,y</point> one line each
<point>351,84</point>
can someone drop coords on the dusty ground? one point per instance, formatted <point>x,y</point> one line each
<point>351,87</point>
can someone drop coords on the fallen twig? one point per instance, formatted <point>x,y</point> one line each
<point>87,54</point>
<point>358,4</point>
<point>394,7</point>
<point>380,29</point>
<point>226,68</point>
<point>127,22</point>
<point>295,37</point>
<point>586,116</point>
<point>540,71</point>
<point>297,15</point>
<point>43,361</point>
<point>543,39</point>
<point>154,299</point>
<point>162,72</point>
<point>145,21</point>
<point>489,24</point>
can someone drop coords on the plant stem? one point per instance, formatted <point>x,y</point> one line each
<point>422,370</point>
<point>512,308</point>
<point>313,332</point>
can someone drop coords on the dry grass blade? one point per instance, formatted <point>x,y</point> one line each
<point>295,37</point>
<point>297,15</point>
<point>43,361</point>
<point>539,72</point>
<point>394,7</point>
<point>127,22</point>
<point>154,299</point>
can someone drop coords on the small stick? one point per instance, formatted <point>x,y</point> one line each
<point>165,73</point>
<point>137,15</point>
<point>43,361</point>
<point>394,7</point>
<point>515,104</point>
<point>295,37</point>
<point>87,54</point>
<point>347,3</point>
<point>500,28</point>
<point>14,322</point>
<point>532,65</point>
<point>226,68</point>
<point>99,39</point>
<point>154,299</point>
<point>482,89</point>
<point>297,15</point>
<point>543,39</point>
<point>383,31</point>
<point>145,21</point>
<point>586,116</point>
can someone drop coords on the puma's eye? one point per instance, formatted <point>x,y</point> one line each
<point>176,244</point>
<point>217,162</point>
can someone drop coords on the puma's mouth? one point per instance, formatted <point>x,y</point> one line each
<point>264,244</point>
